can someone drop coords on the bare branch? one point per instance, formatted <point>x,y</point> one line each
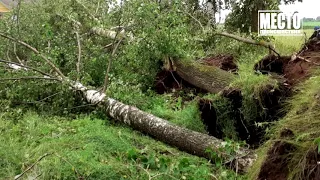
<point>268,45</point>
<point>28,67</point>
<point>17,13</point>
<point>29,78</point>
<point>54,67</point>
<point>79,56</point>
<point>29,168</point>
<point>108,45</point>
<point>15,52</point>
<point>106,79</point>
<point>98,6</point>
<point>195,20</point>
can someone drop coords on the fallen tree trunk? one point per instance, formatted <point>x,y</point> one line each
<point>186,140</point>
<point>209,78</point>
<point>193,142</point>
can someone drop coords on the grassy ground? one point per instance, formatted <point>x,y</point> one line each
<point>96,149</point>
<point>286,45</point>
<point>302,118</point>
<point>309,23</point>
<point>93,149</point>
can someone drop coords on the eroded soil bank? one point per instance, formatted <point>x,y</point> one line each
<point>269,101</point>
<point>289,71</point>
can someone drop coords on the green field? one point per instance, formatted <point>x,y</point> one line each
<point>289,44</point>
<point>310,24</point>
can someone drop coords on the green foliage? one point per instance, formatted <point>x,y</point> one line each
<point>244,15</point>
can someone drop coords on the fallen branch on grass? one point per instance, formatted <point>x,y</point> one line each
<point>30,167</point>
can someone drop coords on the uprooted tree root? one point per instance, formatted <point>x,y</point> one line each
<point>276,164</point>
<point>293,152</point>
<point>269,101</point>
<point>294,69</point>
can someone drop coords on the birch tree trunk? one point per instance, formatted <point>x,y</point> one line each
<point>184,139</point>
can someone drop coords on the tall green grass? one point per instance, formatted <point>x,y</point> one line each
<point>91,148</point>
<point>286,45</point>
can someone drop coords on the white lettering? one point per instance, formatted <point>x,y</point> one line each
<point>296,21</point>
<point>281,18</point>
<point>273,21</point>
<point>288,21</point>
<point>264,20</point>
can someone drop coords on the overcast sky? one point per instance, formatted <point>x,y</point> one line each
<point>309,8</point>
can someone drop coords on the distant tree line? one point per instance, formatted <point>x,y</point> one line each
<point>305,19</point>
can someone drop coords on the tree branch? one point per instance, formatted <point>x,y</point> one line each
<point>29,168</point>
<point>54,67</point>
<point>29,78</point>
<point>250,41</point>
<point>79,56</point>
<point>200,24</point>
<point>106,79</point>
<point>28,67</point>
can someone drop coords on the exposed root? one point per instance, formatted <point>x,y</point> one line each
<point>275,165</point>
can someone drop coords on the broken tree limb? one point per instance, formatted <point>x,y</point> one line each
<point>18,66</point>
<point>265,44</point>
<point>54,67</point>
<point>209,78</point>
<point>108,33</point>
<point>79,56</point>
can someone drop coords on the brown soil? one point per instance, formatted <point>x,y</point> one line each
<point>275,166</point>
<point>223,61</point>
<point>293,70</point>
<point>171,82</point>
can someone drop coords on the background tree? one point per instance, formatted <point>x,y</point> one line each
<point>244,15</point>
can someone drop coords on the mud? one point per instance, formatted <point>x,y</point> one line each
<point>275,165</point>
<point>268,101</point>
<point>294,70</point>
